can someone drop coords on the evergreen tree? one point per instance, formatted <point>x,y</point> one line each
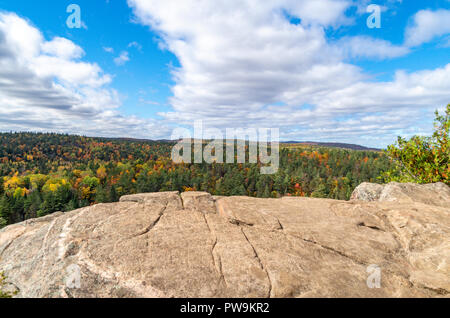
<point>320,192</point>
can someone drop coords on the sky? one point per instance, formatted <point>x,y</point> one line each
<point>317,70</point>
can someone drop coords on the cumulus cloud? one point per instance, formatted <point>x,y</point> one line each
<point>243,63</point>
<point>62,48</point>
<point>122,58</point>
<point>426,26</point>
<point>367,47</point>
<point>44,86</point>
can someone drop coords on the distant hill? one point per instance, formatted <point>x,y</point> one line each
<point>332,145</point>
<point>308,143</point>
<point>168,141</point>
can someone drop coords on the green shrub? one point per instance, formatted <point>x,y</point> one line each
<point>2,283</point>
<point>422,159</point>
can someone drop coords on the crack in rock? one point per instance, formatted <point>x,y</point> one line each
<point>281,225</point>
<point>8,245</point>
<point>356,260</point>
<point>182,202</point>
<point>376,228</point>
<point>260,263</point>
<point>153,224</point>
<point>333,250</point>
<point>96,226</point>
<point>438,291</point>
<point>240,223</point>
<point>218,267</point>
<point>11,241</point>
<point>144,231</point>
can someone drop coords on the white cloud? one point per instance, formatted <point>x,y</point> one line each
<point>323,12</point>
<point>108,49</point>
<point>122,58</point>
<point>45,87</point>
<point>244,64</point>
<point>62,48</point>
<point>135,45</point>
<point>148,102</point>
<point>426,26</point>
<point>366,47</point>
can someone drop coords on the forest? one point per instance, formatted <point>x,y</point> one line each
<point>45,173</point>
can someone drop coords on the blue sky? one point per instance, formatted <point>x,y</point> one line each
<point>311,68</point>
<point>109,24</point>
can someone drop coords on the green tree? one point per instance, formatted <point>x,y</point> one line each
<point>320,192</point>
<point>101,196</point>
<point>3,222</point>
<point>5,209</point>
<point>32,204</point>
<point>1,185</point>
<point>422,159</point>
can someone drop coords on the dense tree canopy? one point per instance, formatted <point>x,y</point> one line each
<point>45,173</point>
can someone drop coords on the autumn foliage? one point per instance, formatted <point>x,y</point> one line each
<point>45,173</point>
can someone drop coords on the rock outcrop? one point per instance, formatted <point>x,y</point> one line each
<point>196,245</point>
<point>432,194</point>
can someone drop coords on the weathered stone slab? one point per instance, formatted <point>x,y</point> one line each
<point>196,245</point>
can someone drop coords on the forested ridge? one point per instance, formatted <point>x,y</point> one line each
<point>45,173</point>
